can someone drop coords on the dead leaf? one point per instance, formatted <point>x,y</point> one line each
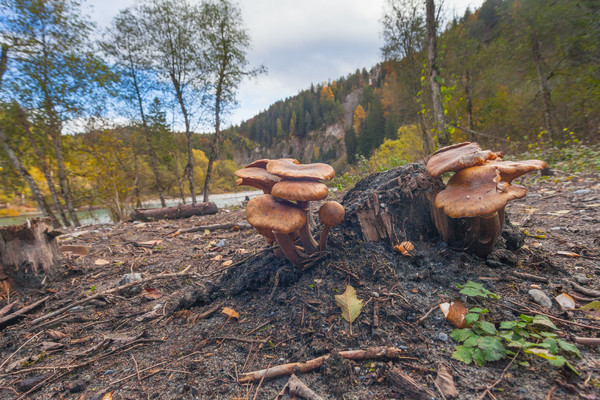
<point>445,382</point>
<point>227,263</point>
<point>56,335</point>
<point>593,205</point>
<point>218,257</point>
<point>455,313</point>
<point>151,293</point>
<point>566,301</point>
<point>404,248</point>
<point>350,305</point>
<point>231,312</point>
<point>108,396</point>
<point>567,254</point>
<point>560,212</point>
<point>101,261</point>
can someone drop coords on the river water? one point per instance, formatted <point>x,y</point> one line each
<point>101,216</point>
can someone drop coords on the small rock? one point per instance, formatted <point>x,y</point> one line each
<point>109,372</point>
<point>221,243</point>
<point>442,337</point>
<point>582,191</point>
<point>375,294</point>
<point>130,278</point>
<point>75,386</point>
<point>582,279</point>
<point>540,297</point>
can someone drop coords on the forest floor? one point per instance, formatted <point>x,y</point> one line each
<point>167,337</point>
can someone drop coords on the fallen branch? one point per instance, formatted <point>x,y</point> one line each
<point>316,363</point>
<point>295,387</point>
<point>587,341</point>
<point>584,290</point>
<point>564,321</point>
<point>182,274</point>
<point>6,309</point>
<point>22,311</point>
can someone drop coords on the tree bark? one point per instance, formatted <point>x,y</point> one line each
<point>62,175</point>
<point>35,190</point>
<point>544,90</point>
<point>215,141</point>
<point>434,76</point>
<point>43,164</point>
<point>180,211</point>
<point>28,253</point>
<point>469,99</point>
<point>189,168</point>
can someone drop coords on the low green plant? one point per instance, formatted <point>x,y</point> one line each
<point>482,342</point>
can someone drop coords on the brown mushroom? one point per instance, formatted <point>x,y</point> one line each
<point>480,193</point>
<point>256,177</point>
<point>331,214</point>
<point>282,218</point>
<point>459,156</point>
<point>262,163</point>
<point>287,169</point>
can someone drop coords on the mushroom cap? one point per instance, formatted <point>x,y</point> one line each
<point>331,213</point>
<point>262,163</point>
<point>476,191</point>
<point>256,177</point>
<point>287,169</point>
<point>301,190</point>
<point>264,212</point>
<point>457,157</point>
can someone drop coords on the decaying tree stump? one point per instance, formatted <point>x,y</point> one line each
<point>180,211</point>
<point>393,206</point>
<point>28,253</point>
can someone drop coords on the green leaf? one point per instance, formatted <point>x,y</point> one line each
<point>548,334</point>
<point>492,348</point>
<point>543,321</point>
<point>472,341</point>
<point>463,353</point>
<point>508,324</point>
<point>486,327</point>
<point>479,310</point>
<point>471,317</point>
<point>522,332</point>
<point>478,356</point>
<point>552,345</point>
<point>460,335</point>
<point>569,347</point>
<point>526,318</point>
<point>473,289</point>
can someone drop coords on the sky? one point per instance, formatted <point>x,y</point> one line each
<point>299,42</point>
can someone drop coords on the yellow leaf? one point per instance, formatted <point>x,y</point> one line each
<point>350,305</point>
<point>227,263</point>
<point>101,261</point>
<point>231,312</point>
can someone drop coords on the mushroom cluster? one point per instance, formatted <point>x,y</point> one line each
<point>476,194</point>
<point>282,213</point>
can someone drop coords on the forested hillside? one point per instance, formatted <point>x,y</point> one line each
<point>511,73</point>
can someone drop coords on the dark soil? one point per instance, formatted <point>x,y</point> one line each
<point>153,341</point>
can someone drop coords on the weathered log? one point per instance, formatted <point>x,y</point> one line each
<point>180,211</point>
<point>28,253</point>
<point>393,206</point>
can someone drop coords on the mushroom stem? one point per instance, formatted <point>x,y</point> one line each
<point>485,231</point>
<point>310,244</point>
<point>288,248</point>
<point>324,234</point>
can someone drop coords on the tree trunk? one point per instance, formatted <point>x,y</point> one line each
<point>189,168</point>
<point>62,176</point>
<point>434,76</point>
<point>35,190</point>
<point>425,135</point>
<point>180,211</point>
<point>214,144</point>
<point>43,164</point>
<point>151,152</point>
<point>28,253</point>
<point>544,90</point>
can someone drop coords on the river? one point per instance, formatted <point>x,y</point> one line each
<point>101,216</point>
